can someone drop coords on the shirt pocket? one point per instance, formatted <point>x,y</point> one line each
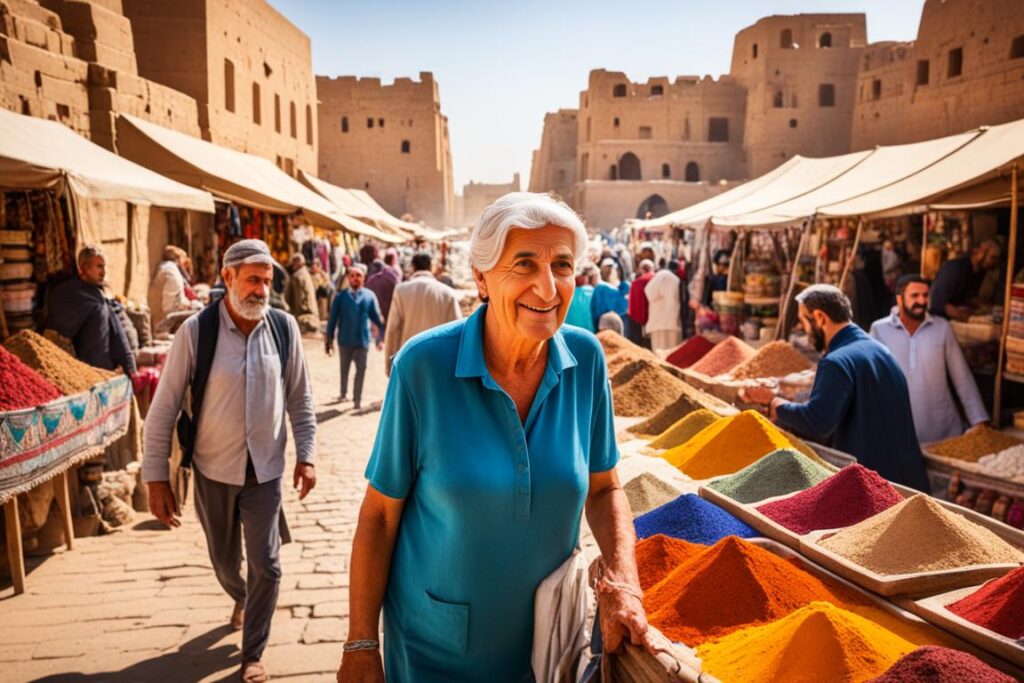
<point>447,624</point>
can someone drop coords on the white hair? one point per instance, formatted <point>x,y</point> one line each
<point>526,210</point>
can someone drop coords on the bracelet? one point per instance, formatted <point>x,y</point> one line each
<point>605,585</point>
<point>357,645</point>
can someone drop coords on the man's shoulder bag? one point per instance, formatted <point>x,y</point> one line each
<point>206,345</point>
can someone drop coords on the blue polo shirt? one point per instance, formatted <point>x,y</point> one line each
<point>861,402</point>
<point>351,314</point>
<point>492,505</point>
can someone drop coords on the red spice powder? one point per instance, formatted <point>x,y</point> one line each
<point>998,605</point>
<point>21,386</point>
<point>932,664</point>
<point>690,351</point>
<point>729,586</point>
<point>658,555</point>
<point>850,496</point>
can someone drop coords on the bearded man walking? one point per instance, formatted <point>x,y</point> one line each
<point>242,365</point>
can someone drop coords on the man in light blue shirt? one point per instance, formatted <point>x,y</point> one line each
<point>352,311</point>
<point>927,351</point>
<point>579,309</point>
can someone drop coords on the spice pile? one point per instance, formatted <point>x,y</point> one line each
<point>819,642</point>
<point>726,356</point>
<point>667,416</point>
<point>775,359</point>
<point>931,664</point>
<point>690,351</point>
<point>1008,464</point>
<point>998,605</point>
<point>646,392</point>
<point>852,495</point>
<point>21,386</point>
<point>692,519</point>
<point>974,443</point>
<point>919,535</point>
<point>658,555</point>
<point>732,585</point>
<point>68,374</point>
<point>647,492</point>
<point>685,429</point>
<point>726,446</point>
<point>612,342</point>
<point>776,474</point>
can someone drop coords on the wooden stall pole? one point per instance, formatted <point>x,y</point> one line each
<point>3,325</point>
<point>15,556</point>
<point>997,402</point>
<point>780,331</point>
<point>60,490</point>
<point>853,254</point>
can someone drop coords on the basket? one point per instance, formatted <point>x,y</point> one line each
<point>18,305</point>
<point>15,271</point>
<point>16,237</point>
<point>16,254</point>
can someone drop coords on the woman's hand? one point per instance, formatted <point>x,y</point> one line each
<point>622,620</point>
<point>361,666</point>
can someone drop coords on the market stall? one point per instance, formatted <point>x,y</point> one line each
<point>726,504</point>
<point>258,199</point>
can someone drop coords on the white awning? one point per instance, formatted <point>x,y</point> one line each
<point>980,162</point>
<point>882,167</point>
<point>41,154</point>
<point>381,214</point>
<point>341,198</point>
<point>236,176</point>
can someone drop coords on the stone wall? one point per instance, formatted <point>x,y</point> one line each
<point>390,140</point>
<point>554,162</point>
<point>606,204</point>
<point>478,196</point>
<point>966,69</point>
<point>247,66</point>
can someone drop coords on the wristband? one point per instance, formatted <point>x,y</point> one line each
<point>357,645</point>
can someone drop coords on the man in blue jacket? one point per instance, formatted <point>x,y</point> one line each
<point>352,312</point>
<point>860,398</point>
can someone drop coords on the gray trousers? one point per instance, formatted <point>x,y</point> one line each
<point>347,355</point>
<point>251,513</point>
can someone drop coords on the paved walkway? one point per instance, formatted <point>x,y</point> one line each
<point>143,604</point>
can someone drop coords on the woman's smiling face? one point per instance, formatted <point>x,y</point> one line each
<point>531,286</point>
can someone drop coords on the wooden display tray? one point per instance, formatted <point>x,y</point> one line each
<point>747,514</point>
<point>934,610</point>
<point>917,584</point>
<point>995,657</point>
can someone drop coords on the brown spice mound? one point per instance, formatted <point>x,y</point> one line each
<point>667,416</point>
<point>727,355</point>
<point>612,342</point>
<point>775,359</point>
<point>974,444</point>
<point>647,492</point>
<point>647,392</point>
<point>67,373</point>
<point>919,535</point>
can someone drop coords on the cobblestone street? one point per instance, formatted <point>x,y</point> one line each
<point>143,604</point>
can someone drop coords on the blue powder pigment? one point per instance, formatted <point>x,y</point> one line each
<point>692,519</point>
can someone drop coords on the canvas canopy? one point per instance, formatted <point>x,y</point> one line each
<point>343,199</point>
<point>40,154</point>
<point>236,176</point>
<point>980,162</point>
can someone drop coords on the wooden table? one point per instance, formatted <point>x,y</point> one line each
<point>12,523</point>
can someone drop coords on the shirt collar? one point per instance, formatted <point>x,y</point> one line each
<point>421,274</point>
<point>471,362</point>
<point>845,336</point>
<point>895,319</point>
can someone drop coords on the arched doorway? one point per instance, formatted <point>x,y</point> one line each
<point>629,167</point>
<point>692,172</point>
<point>655,205</point>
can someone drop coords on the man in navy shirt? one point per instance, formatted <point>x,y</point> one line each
<point>860,398</point>
<point>352,312</point>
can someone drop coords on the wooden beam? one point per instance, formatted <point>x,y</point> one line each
<point>15,553</point>
<point>1011,259</point>
<point>60,489</point>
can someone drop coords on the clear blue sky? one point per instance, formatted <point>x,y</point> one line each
<point>502,65</point>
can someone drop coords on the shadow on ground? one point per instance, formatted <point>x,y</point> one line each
<point>192,661</point>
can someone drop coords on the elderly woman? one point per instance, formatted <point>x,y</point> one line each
<point>496,433</point>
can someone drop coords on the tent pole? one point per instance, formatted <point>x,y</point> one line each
<point>997,402</point>
<point>853,253</point>
<point>780,327</point>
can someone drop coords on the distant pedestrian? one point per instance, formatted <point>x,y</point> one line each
<point>382,283</point>
<point>663,323</point>
<point>607,297</point>
<point>419,304</point>
<point>638,309</point>
<point>580,308</point>
<point>300,293</point>
<point>352,312</point>
<point>241,363</point>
